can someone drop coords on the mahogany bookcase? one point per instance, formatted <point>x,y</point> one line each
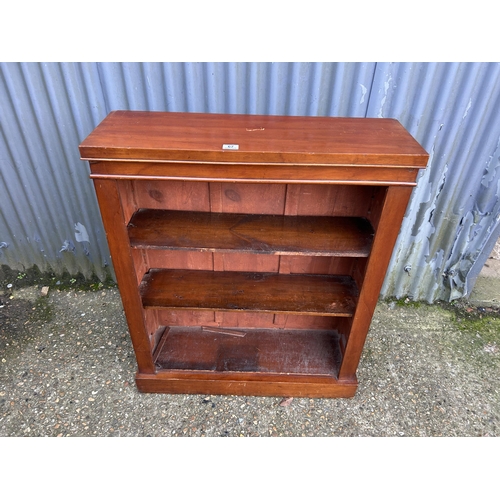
<point>250,250</point>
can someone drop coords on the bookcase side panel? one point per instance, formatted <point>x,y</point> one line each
<point>116,232</point>
<point>392,214</point>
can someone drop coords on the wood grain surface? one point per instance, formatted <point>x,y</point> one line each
<point>142,135</point>
<point>267,234</point>
<point>324,295</point>
<point>253,350</point>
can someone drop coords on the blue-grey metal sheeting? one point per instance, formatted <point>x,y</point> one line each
<point>49,215</point>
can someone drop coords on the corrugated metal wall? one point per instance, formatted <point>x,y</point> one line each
<point>49,215</point>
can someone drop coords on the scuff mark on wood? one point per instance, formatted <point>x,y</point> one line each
<point>224,331</point>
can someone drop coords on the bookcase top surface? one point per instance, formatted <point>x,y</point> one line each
<point>210,137</point>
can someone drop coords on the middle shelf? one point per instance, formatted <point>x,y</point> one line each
<point>322,295</point>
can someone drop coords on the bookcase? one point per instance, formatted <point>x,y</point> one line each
<point>250,250</point>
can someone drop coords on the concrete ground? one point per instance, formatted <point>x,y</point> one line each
<point>486,291</point>
<point>67,369</point>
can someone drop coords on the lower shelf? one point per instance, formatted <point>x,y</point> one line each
<point>260,362</point>
<point>247,350</point>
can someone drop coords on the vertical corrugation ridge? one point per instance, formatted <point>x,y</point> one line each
<point>441,242</point>
<point>107,108</point>
<point>450,108</point>
<point>369,91</point>
<point>42,199</point>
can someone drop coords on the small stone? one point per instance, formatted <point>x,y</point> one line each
<point>45,291</point>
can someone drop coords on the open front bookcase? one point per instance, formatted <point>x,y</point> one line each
<point>250,250</point>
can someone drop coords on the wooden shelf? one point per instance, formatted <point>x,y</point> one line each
<point>266,234</point>
<point>251,350</point>
<point>323,295</point>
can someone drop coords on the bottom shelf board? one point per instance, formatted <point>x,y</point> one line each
<point>207,349</point>
<point>247,362</point>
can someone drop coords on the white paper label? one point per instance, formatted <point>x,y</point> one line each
<point>231,146</point>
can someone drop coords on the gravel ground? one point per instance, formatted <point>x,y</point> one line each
<point>67,369</point>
